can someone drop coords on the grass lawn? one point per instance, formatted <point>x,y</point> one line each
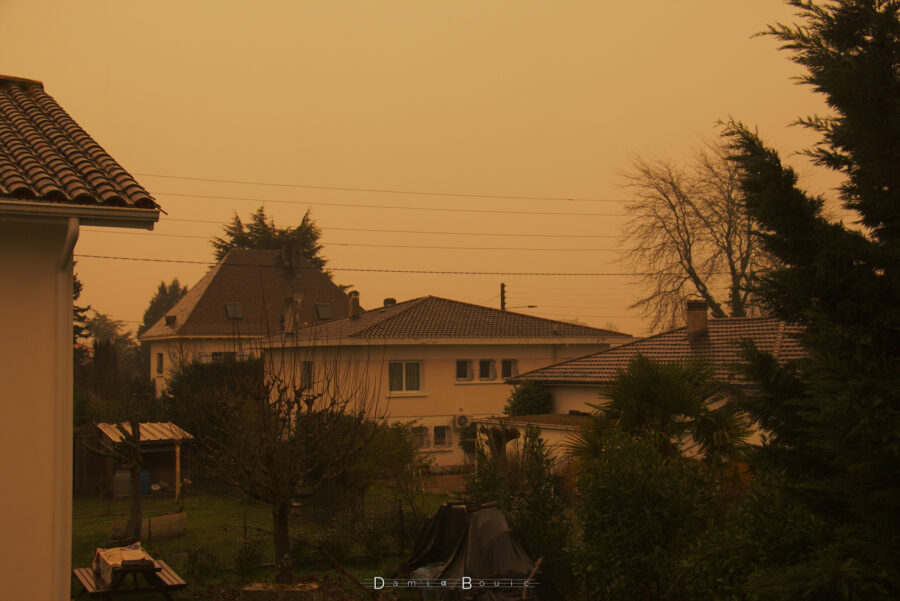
<point>216,524</point>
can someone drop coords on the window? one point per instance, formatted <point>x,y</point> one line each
<point>234,311</point>
<point>405,376</point>
<point>442,436</point>
<point>324,311</point>
<point>487,369</point>
<point>464,369</point>
<point>159,363</point>
<point>509,368</point>
<point>219,357</point>
<point>306,375</point>
<point>420,436</point>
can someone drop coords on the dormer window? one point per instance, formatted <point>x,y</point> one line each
<point>234,311</point>
<point>324,311</point>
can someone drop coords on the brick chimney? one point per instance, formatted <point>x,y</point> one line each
<point>354,304</point>
<point>696,319</point>
<point>390,302</point>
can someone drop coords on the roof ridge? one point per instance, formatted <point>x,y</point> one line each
<point>538,317</point>
<point>413,302</point>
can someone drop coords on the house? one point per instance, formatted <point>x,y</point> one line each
<point>162,453</point>
<point>241,298</point>
<point>579,382</point>
<point>431,360</point>
<point>53,178</point>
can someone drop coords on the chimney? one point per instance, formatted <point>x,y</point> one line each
<point>292,256</point>
<point>696,319</point>
<point>354,304</point>
<point>390,302</point>
<point>290,316</point>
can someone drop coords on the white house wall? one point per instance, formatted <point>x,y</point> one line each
<point>441,398</point>
<point>36,401</point>
<point>569,398</point>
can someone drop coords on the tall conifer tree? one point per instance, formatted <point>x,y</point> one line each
<point>834,417</point>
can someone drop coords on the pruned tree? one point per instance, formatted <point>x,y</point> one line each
<point>279,436</point>
<point>690,235</point>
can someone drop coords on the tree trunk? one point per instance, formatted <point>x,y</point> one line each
<point>280,517</point>
<point>136,514</point>
<point>137,517</point>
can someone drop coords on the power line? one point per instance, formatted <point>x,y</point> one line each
<point>416,246</point>
<point>380,190</point>
<point>360,269</point>
<point>384,231</point>
<point>390,207</point>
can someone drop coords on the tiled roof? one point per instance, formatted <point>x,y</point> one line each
<point>259,281</point>
<point>433,317</point>
<point>45,156</point>
<point>719,346</point>
<point>150,431</point>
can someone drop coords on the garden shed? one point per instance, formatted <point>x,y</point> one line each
<point>162,452</point>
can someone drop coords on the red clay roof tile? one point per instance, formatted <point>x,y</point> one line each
<point>434,317</point>
<point>719,346</point>
<point>45,156</point>
<point>259,281</point>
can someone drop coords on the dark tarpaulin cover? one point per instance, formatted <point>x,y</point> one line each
<point>471,541</point>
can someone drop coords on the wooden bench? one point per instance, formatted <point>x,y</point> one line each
<point>159,576</point>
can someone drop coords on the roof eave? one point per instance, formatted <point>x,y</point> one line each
<point>130,217</point>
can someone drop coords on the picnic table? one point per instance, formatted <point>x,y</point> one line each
<point>158,577</point>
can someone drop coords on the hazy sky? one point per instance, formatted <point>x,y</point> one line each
<point>513,98</point>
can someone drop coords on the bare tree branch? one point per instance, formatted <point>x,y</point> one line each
<point>689,230</point>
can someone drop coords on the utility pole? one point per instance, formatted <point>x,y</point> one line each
<point>502,296</point>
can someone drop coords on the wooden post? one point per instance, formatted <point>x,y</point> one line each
<point>177,470</point>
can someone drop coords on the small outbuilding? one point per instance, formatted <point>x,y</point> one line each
<point>161,450</point>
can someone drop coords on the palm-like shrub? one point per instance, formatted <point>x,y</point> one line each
<point>678,406</point>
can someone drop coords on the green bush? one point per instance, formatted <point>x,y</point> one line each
<point>528,398</point>
<point>637,516</point>
<point>249,556</point>
<point>486,482</point>
<point>378,538</point>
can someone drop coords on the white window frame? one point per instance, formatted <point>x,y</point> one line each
<point>492,370</point>
<point>470,370</point>
<point>423,431</point>
<point>513,370</point>
<point>404,387</point>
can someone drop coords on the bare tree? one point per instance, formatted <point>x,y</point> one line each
<point>690,235</point>
<point>282,433</point>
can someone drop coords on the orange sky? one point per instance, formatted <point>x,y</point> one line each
<point>513,98</point>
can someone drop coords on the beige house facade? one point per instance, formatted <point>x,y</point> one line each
<point>248,294</point>
<point>435,362</point>
<point>53,179</point>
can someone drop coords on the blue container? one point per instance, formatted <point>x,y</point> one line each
<point>145,482</point>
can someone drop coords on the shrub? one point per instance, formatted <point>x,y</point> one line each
<point>637,515</point>
<point>249,556</point>
<point>486,482</point>
<point>528,398</point>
